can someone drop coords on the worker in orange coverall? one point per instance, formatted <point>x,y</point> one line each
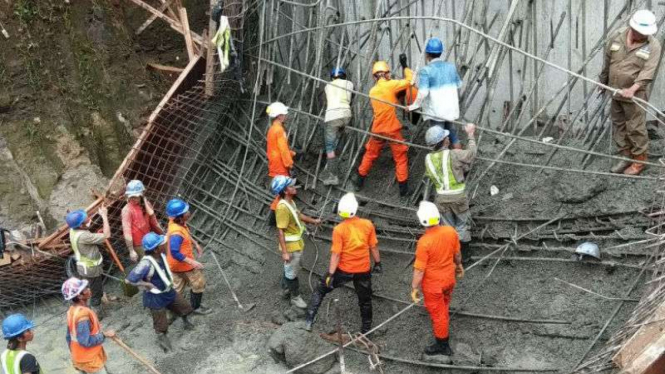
<point>386,124</point>
<point>280,156</point>
<point>437,267</point>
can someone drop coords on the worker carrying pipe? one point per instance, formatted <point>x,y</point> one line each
<point>17,330</point>
<point>154,275</point>
<point>338,116</point>
<point>437,266</point>
<point>280,156</point>
<point>84,333</point>
<point>138,219</point>
<point>632,56</point>
<point>290,230</point>
<point>180,255</point>
<point>353,241</point>
<point>85,246</point>
<point>387,124</point>
<point>438,83</point>
<point>446,169</point>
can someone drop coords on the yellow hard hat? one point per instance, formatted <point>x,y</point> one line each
<point>380,66</point>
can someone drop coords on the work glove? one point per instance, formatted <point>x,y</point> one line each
<point>328,280</point>
<point>403,61</point>
<point>378,269</point>
<point>459,272</point>
<point>415,295</point>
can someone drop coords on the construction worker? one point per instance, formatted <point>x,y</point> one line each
<point>632,57</point>
<point>290,230</point>
<point>353,240</point>
<point>17,330</point>
<point>180,255</point>
<point>280,156</point>
<point>154,275</point>
<point>437,266</point>
<point>447,169</point>
<point>438,83</point>
<point>338,116</point>
<point>84,333</point>
<point>138,219</point>
<point>85,245</point>
<point>386,124</point>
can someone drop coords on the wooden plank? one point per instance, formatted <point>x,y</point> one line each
<point>210,55</point>
<point>650,361</point>
<point>184,21</point>
<point>153,17</point>
<point>174,24</point>
<point>6,259</point>
<point>164,68</point>
<point>641,340</point>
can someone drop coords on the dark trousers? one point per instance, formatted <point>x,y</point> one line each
<point>363,285</point>
<point>96,286</point>
<point>179,307</point>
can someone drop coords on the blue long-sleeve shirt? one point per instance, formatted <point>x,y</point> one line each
<point>175,242</point>
<point>84,337</point>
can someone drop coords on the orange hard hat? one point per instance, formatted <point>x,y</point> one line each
<point>380,66</point>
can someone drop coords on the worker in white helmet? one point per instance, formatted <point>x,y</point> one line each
<point>280,155</point>
<point>632,56</point>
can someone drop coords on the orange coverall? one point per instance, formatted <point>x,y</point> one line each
<point>435,256</point>
<point>386,124</point>
<point>280,157</point>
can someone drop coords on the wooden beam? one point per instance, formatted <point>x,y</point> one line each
<point>153,17</point>
<point>174,24</point>
<point>184,21</point>
<point>210,54</point>
<point>164,68</point>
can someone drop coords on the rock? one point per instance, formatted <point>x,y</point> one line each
<point>578,190</point>
<point>293,345</point>
<point>291,314</point>
<point>278,318</point>
<point>5,103</point>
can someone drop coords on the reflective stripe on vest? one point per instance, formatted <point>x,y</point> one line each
<point>11,361</point>
<point>167,277</point>
<point>84,261</point>
<point>292,237</point>
<point>447,182</point>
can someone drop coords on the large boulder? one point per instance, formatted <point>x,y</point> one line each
<point>293,345</point>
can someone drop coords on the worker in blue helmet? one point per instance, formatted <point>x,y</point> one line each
<point>338,115</point>
<point>17,330</point>
<point>154,276</point>
<point>85,245</point>
<point>438,84</point>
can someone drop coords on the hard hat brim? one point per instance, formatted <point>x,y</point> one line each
<point>133,194</point>
<point>644,30</point>
<point>84,285</point>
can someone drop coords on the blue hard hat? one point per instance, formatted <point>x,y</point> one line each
<point>151,241</point>
<point>134,188</point>
<point>435,135</point>
<point>176,208</point>
<point>434,46</point>
<point>76,218</point>
<point>280,182</point>
<point>15,325</point>
<point>335,72</point>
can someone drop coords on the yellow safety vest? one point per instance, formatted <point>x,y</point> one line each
<point>84,261</point>
<point>293,237</point>
<point>446,184</point>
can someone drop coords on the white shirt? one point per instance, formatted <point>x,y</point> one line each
<point>438,83</point>
<point>338,99</point>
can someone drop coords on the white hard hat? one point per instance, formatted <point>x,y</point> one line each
<point>348,206</point>
<point>588,249</point>
<point>435,135</point>
<point>276,109</point>
<point>428,214</point>
<point>644,22</point>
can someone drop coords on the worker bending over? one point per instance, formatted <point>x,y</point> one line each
<point>438,83</point>
<point>280,156</point>
<point>290,230</point>
<point>85,245</point>
<point>84,333</point>
<point>338,116</point>
<point>447,169</point>
<point>17,330</point>
<point>154,275</point>
<point>353,240</point>
<point>385,123</point>
<point>180,255</point>
<point>138,219</point>
<point>632,57</point>
<point>438,264</point>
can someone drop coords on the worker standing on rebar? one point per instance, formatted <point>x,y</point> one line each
<point>17,330</point>
<point>437,267</point>
<point>85,245</point>
<point>138,219</point>
<point>632,57</point>
<point>385,123</point>
<point>180,255</point>
<point>438,83</point>
<point>84,333</point>
<point>353,241</point>
<point>338,116</point>
<point>280,156</point>
<point>290,231</point>
<point>154,275</point>
<point>446,169</point>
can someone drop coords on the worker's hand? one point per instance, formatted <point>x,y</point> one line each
<point>627,93</point>
<point>601,90</point>
<point>109,333</point>
<point>403,61</point>
<point>378,269</point>
<point>328,280</point>
<point>196,264</point>
<point>459,272</point>
<point>470,129</point>
<point>133,256</point>
<point>317,221</point>
<point>286,257</point>
<point>415,295</point>
<point>103,211</point>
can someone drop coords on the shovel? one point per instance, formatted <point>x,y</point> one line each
<point>245,308</point>
<point>127,289</point>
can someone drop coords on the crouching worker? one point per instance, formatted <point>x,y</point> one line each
<point>438,264</point>
<point>154,275</point>
<point>84,333</point>
<point>16,360</point>
<point>352,242</point>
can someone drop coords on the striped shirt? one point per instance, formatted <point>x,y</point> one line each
<point>438,83</point>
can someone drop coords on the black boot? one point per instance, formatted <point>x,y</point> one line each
<point>195,301</point>
<point>358,181</point>
<point>403,188</point>
<point>440,347</point>
<point>465,248</point>
<point>314,304</point>
<point>186,324</point>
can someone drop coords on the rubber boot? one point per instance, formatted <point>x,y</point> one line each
<point>465,248</point>
<point>296,299</point>
<point>195,301</point>
<point>164,341</point>
<point>330,177</point>
<point>186,324</point>
<point>358,181</point>
<point>635,168</point>
<point>439,348</point>
<point>172,317</point>
<point>621,165</point>
<point>403,188</point>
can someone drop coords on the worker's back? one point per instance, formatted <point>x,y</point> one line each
<point>352,239</point>
<point>440,78</point>
<point>338,99</point>
<point>385,114</point>
<point>435,253</point>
